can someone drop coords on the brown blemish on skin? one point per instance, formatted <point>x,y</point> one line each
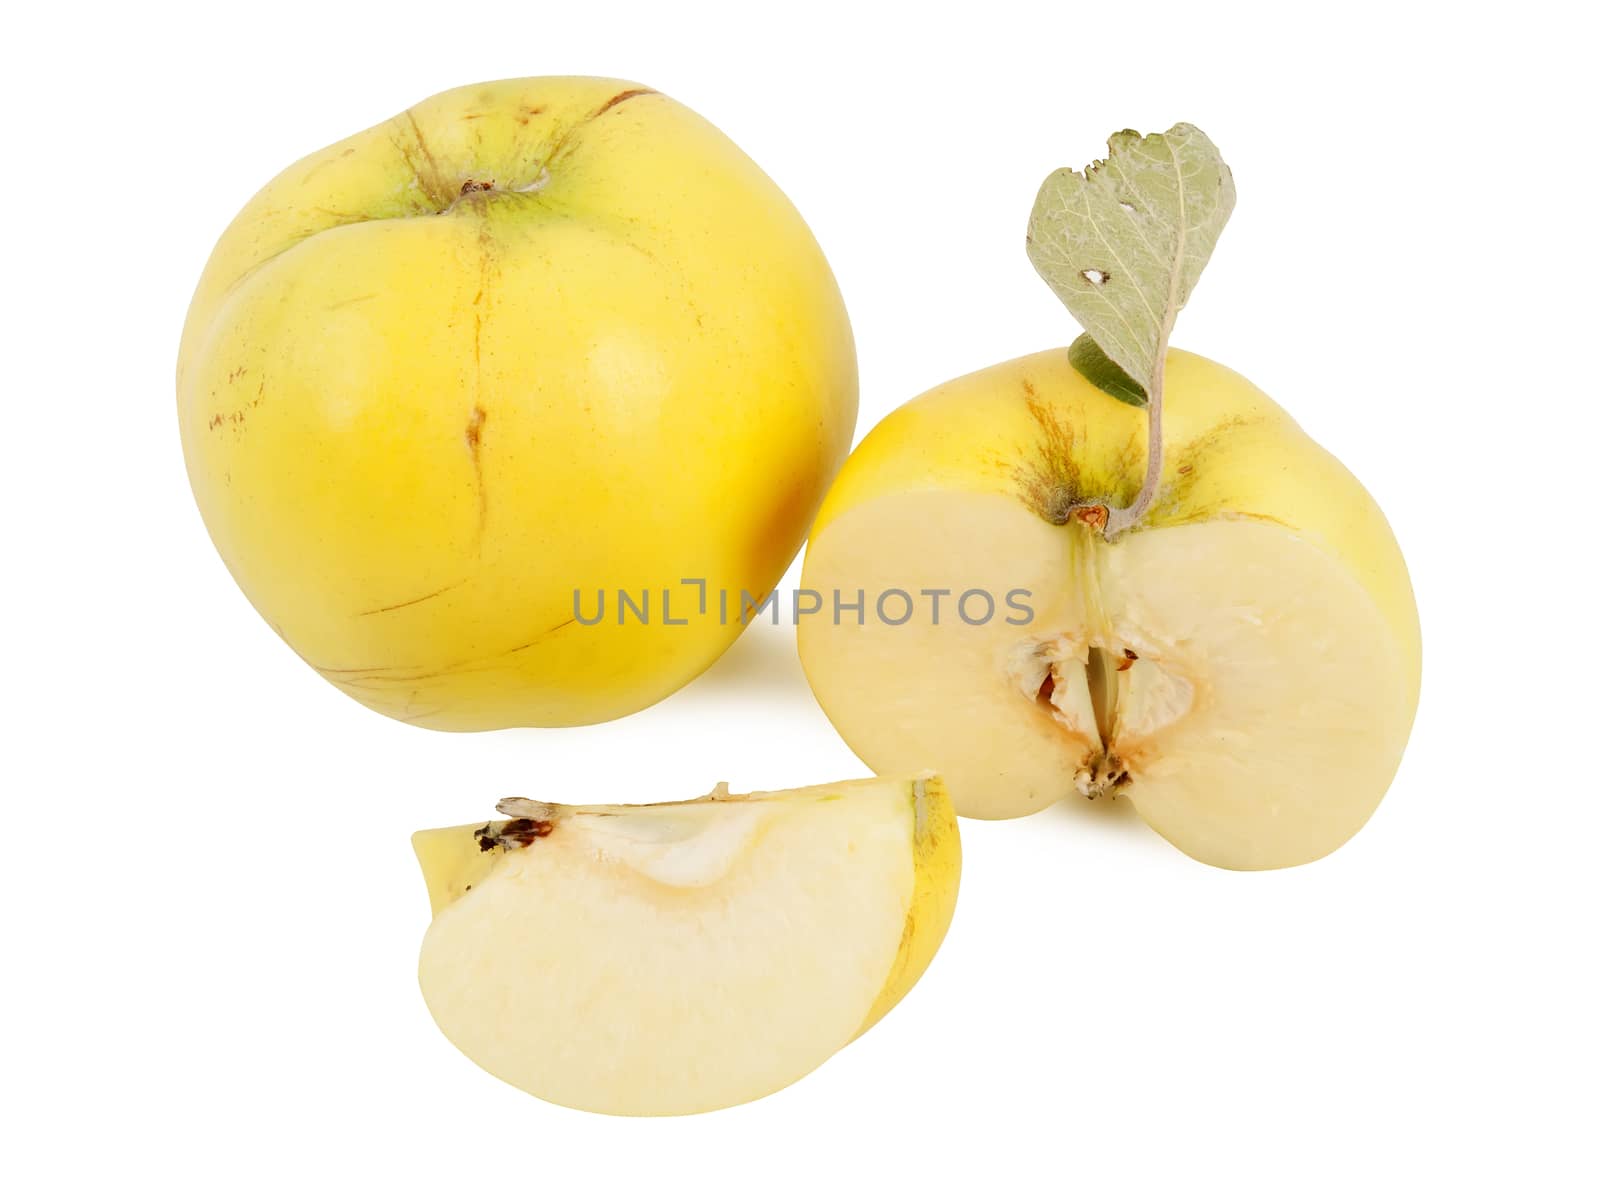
<point>626,94</point>
<point>422,145</point>
<point>1175,498</point>
<point>379,678</point>
<point>235,420</point>
<point>542,635</point>
<point>474,437</point>
<point>1128,657</point>
<point>487,254</point>
<point>1051,479</point>
<point>380,610</point>
<point>419,158</point>
<point>476,186</point>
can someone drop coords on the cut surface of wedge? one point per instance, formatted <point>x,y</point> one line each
<point>683,957</point>
<point>1241,668</point>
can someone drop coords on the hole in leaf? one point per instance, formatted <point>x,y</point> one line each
<point>1096,275</point>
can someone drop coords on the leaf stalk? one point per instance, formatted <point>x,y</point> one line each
<point>1120,518</point>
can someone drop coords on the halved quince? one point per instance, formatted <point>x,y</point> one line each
<point>1241,667</point>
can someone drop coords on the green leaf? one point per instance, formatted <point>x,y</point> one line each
<point>1096,367</point>
<point>1123,242</point>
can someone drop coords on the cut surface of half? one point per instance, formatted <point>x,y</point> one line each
<point>1227,678</point>
<point>1241,668</point>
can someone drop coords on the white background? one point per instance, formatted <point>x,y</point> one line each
<point>210,908</point>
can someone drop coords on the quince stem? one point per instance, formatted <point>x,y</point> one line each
<point>1120,518</point>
